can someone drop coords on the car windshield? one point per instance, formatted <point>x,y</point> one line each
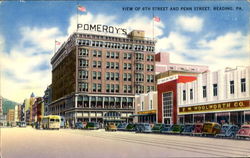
<point>225,127</point>
<point>146,125</point>
<point>157,125</point>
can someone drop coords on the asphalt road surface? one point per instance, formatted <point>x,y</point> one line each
<point>67,143</point>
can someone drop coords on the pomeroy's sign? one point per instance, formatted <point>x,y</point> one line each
<point>102,28</point>
<point>237,105</point>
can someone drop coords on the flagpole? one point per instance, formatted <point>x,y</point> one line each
<point>153,26</point>
<point>77,17</point>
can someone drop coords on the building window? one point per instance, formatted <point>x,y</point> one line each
<point>231,87</point>
<point>94,64</point>
<point>112,76</point>
<point>108,65</point>
<point>94,75</point>
<point>94,53</point>
<point>83,52</point>
<point>107,87</point>
<point>125,89</point>
<point>94,87</point>
<point>99,75</point>
<point>151,105</point>
<point>84,63</point>
<point>117,88</point>
<point>117,65</point>
<point>125,66</point>
<point>191,94</point>
<point>107,75</point>
<point>139,67</point>
<point>83,74</point>
<point>99,87</point>
<point>129,89</point>
<point>142,106</point>
<point>99,53</point>
<point>112,55</point>
<point>83,87</point>
<point>108,55</point>
<point>124,77</point>
<point>117,76</point>
<point>112,65</point>
<point>129,56</point>
<point>129,66</point>
<point>184,95</point>
<point>167,104</point>
<point>99,64</point>
<point>125,56</point>
<point>139,89</point>
<point>243,84</point>
<point>117,55</point>
<point>204,90</point>
<point>139,77</point>
<point>129,77</point>
<point>112,88</point>
<point>215,89</point>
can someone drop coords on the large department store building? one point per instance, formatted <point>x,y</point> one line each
<point>96,77</point>
<point>222,96</point>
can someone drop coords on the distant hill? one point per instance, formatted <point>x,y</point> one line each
<point>8,104</point>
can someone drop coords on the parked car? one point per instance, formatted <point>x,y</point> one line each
<point>244,131</point>
<point>111,127</point>
<point>198,127</point>
<point>228,130</point>
<point>79,125</point>
<point>92,125</point>
<point>130,127</point>
<point>211,128</point>
<point>22,124</point>
<point>166,128</point>
<point>143,128</point>
<point>157,128</point>
<point>188,129</point>
<point>122,126</point>
<point>176,129</point>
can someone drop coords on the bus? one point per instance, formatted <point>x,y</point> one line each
<point>51,122</point>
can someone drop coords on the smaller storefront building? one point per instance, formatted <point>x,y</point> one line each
<point>146,108</point>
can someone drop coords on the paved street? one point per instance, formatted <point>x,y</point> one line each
<point>67,143</point>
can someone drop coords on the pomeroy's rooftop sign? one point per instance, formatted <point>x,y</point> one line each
<point>101,28</point>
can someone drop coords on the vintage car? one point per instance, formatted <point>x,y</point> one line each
<point>130,127</point>
<point>166,128</point>
<point>228,130</point>
<point>79,125</point>
<point>111,127</point>
<point>176,129</point>
<point>122,126</point>
<point>157,128</point>
<point>143,128</point>
<point>211,128</point>
<point>198,129</point>
<point>244,131</point>
<point>188,129</point>
<point>92,126</point>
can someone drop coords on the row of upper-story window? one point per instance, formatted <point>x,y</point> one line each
<point>118,39</point>
<point>115,65</point>
<point>112,45</point>
<point>215,89</point>
<point>113,88</point>
<point>115,76</point>
<point>114,55</point>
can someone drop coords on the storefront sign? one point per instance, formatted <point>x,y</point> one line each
<point>237,105</point>
<point>167,79</point>
<point>102,28</point>
<point>147,112</point>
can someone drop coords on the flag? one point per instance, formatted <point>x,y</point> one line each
<point>157,19</point>
<point>57,43</point>
<point>81,8</point>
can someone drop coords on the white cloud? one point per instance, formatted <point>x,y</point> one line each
<point>190,24</point>
<point>20,66</point>
<point>173,42</point>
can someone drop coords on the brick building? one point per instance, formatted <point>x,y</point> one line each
<point>95,77</point>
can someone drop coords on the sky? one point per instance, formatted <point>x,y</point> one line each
<point>28,29</point>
